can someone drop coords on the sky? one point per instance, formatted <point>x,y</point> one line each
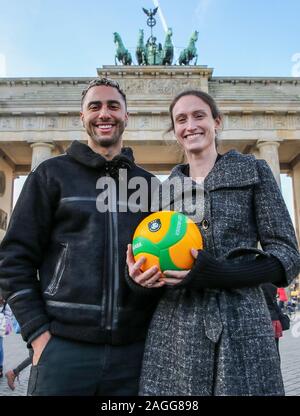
<point>71,38</point>
<point>43,38</point>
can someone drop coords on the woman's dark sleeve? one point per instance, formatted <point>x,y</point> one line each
<point>210,273</point>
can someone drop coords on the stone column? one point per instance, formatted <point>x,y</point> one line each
<point>268,150</point>
<point>255,152</point>
<point>296,192</point>
<point>40,152</point>
<point>6,194</point>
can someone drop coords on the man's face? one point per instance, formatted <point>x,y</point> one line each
<point>104,115</point>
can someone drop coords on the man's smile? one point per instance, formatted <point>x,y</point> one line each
<point>107,127</point>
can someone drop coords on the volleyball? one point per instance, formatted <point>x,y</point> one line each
<point>165,239</point>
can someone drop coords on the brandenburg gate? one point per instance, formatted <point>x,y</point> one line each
<point>39,117</point>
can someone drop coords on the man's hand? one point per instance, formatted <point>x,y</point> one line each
<point>38,346</point>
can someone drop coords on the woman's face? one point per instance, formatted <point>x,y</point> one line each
<point>194,125</point>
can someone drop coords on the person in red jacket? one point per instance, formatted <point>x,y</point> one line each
<point>282,297</point>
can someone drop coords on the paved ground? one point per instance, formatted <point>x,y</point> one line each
<point>15,351</point>
<point>290,358</point>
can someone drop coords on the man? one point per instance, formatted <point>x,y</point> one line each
<point>62,261</point>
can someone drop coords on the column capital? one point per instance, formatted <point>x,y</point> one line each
<point>40,151</point>
<point>49,145</point>
<point>261,142</point>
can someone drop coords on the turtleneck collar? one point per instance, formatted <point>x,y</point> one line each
<point>86,156</point>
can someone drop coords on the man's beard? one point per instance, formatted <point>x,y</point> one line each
<point>107,142</point>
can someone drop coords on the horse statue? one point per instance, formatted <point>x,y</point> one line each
<point>122,54</point>
<point>190,52</point>
<point>168,51</point>
<point>140,51</point>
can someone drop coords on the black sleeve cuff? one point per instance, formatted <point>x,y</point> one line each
<point>208,272</point>
<point>37,333</point>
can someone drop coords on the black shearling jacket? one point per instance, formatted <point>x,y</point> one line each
<point>62,262</point>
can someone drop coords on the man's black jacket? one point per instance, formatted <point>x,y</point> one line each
<point>62,261</point>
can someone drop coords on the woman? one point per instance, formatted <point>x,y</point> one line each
<point>211,333</point>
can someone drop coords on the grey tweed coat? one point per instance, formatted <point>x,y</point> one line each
<point>221,342</point>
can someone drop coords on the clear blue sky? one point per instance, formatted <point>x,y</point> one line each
<point>74,37</point>
<point>63,38</point>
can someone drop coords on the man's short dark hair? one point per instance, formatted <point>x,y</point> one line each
<point>103,81</point>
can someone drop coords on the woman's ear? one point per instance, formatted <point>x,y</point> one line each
<point>218,123</point>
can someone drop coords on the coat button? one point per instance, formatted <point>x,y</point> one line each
<point>205,224</point>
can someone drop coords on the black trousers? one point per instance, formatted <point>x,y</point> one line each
<point>72,368</point>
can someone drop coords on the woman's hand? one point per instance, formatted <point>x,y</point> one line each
<point>174,277</point>
<point>150,278</point>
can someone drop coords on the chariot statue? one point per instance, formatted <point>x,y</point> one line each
<point>152,52</point>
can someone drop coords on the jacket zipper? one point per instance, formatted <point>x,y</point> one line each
<point>113,278</point>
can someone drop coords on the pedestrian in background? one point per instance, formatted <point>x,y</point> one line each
<point>270,293</point>
<point>6,316</point>
<point>13,374</point>
<point>282,297</point>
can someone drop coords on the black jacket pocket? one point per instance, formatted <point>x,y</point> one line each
<point>53,286</point>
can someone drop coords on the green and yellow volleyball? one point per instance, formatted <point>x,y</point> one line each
<point>165,239</point>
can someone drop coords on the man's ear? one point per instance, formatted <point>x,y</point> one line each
<point>126,119</point>
<point>82,118</point>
